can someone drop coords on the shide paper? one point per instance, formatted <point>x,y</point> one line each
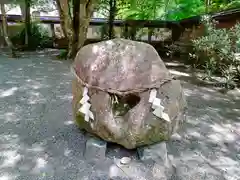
<point>156,105</point>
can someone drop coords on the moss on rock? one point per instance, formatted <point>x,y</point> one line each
<point>81,123</point>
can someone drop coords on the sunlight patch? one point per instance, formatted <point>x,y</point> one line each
<point>67,152</point>
<point>9,92</point>
<point>10,159</point>
<point>40,163</point>
<point>36,148</point>
<point>208,89</point>
<point>36,97</point>
<point>65,97</point>
<point>207,97</point>
<point>215,137</point>
<point>10,117</point>
<point>178,73</point>
<point>194,134</point>
<point>218,128</point>
<point>68,122</point>
<point>227,132</point>
<point>224,163</point>
<point>188,92</point>
<point>6,177</point>
<point>95,49</point>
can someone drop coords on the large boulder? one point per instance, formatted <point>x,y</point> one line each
<point>123,93</point>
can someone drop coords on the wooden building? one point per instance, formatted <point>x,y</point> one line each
<point>155,32</point>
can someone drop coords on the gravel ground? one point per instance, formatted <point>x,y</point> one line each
<point>39,141</point>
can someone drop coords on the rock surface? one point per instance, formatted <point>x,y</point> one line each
<point>95,149</point>
<point>120,75</point>
<point>157,154</point>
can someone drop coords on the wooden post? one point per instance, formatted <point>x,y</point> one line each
<point>27,20</point>
<point>150,32</point>
<point>53,34</point>
<point>133,31</point>
<point>112,4</point>
<point>125,33</point>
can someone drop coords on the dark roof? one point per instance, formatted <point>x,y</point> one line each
<point>222,16</point>
<point>188,22</point>
<point>100,21</point>
<point>226,13</point>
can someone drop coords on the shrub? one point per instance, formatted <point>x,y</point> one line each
<point>62,55</point>
<point>217,51</point>
<point>38,39</point>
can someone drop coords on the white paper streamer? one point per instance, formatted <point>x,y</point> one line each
<point>156,105</point>
<point>158,112</point>
<point>84,99</point>
<point>165,117</point>
<point>85,91</point>
<point>85,108</point>
<point>153,95</point>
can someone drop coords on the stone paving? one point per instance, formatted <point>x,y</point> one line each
<point>39,140</point>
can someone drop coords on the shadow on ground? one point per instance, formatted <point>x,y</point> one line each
<point>39,140</point>
<point>210,143</point>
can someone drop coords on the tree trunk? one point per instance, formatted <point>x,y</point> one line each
<point>126,32</point>
<point>112,4</point>
<point>150,33</point>
<point>80,24</point>
<point>27,23</point>
<point>75,29</point>
<point>132,32</point>
<point>75,26</point>
<point>65,20</point>
<point>5,31</point>
<point>86,11</point>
